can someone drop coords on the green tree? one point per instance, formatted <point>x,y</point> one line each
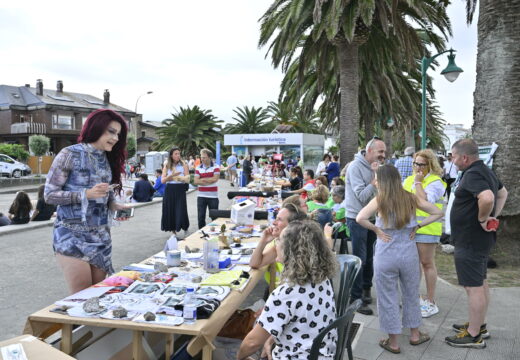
<point>496,106</point>
<point>39,146</point>
<point>286,113</point>
<point>191,129</point>
<point>131,146</point>
<point>250,121</point>
<point>15,151</point>
<point>334,34</point>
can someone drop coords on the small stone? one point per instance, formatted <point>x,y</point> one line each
<point>92,305</point>
<point>147,277</point>
<point>149,316</point>
<point>247,251</point>
<point>196,279</point>
<point>120,312</point>
<point>161,267</point>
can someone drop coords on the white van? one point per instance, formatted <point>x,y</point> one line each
<point>12,168</point>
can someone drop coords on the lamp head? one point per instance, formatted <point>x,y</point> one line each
<point>452,71</point>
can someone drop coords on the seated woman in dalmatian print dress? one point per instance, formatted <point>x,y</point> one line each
<point>303,305</point>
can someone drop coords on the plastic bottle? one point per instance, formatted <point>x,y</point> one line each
<point>211,255</point>
<point>189,312</point>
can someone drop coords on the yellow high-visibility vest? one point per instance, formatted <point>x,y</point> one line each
<point>434,228</point>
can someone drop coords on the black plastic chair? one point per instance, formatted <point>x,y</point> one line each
<point>342,325</point>
<point>349,268</point>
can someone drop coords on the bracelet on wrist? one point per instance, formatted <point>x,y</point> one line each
<point>482,222</point>
<point>417,183</point>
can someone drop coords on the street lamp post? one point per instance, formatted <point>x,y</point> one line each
<point>451,72</point>
<point>137,118</point>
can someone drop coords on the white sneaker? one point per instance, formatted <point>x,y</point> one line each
<point>423,302</point>
<point>429,310</point>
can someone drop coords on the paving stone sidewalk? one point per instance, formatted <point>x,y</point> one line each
<point>503,324</point>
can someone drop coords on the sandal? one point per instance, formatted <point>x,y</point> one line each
<point>422,339</point>
<point>385,344</point>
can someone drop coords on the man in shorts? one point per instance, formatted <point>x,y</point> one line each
<point>232,168</point>
<point>479,199</point>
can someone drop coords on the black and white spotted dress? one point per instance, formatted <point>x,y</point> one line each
<point>295,315</point>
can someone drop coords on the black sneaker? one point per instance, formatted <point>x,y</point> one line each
<point>365,310</point>
<point>483,330</point>
<point>465,340</point>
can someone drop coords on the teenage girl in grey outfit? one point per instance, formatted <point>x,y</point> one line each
<point>396,259</point>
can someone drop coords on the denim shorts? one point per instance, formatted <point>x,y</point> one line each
<point>427,239</point>
<point>471,267</point>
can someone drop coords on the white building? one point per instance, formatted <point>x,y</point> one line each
<point>453,133</point>
<point>310,147</point>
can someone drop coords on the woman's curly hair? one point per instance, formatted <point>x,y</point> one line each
<point>306,256</point>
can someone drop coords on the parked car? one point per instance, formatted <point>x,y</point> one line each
<point>12,168</point>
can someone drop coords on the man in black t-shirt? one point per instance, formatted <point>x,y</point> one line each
<point>479,198</point>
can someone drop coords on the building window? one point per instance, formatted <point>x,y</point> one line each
<point>63,122</point>
<point>83,120</point>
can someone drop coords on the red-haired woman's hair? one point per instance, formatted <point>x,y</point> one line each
<point>95,126</point>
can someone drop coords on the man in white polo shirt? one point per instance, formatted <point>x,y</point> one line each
<point>206,177</point>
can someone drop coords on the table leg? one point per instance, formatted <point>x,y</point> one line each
<point>168,352</point>
<point>66,338</point>
<point>137,345</point>
<point>207,352</point>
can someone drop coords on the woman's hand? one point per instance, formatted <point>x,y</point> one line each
<point>382,235</point>
<point>97,191</point>
<point>115,206</point>
<point>268,349</point>
<point>419,177</point>
<point>267,236</point>
<point>414,231</point>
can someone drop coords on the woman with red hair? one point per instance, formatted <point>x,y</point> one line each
<point>81,182</point>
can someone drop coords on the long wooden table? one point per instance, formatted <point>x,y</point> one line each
<point>203,331</point>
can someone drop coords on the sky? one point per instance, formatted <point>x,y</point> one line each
<point>197,52</point>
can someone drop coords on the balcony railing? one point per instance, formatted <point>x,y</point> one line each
<point>28,128</point>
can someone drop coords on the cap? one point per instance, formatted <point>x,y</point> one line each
<point>409,151</point>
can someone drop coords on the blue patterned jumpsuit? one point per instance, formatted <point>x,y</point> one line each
<point>82,227</point>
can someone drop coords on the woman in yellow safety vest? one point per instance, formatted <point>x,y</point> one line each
<point>427,184</point>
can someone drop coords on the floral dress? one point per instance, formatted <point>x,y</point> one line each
<point>82,227</point>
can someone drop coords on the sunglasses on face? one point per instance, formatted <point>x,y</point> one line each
<point>419,164</point>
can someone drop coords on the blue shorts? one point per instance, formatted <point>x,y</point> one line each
<point>427,239</point>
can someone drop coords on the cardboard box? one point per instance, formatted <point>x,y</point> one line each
<point>243,213</point>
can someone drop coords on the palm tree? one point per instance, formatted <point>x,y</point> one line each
<point>250,121</point>
<point>286,113</point>
<point>191,129</point>
<point>335,31</point>
<point>496,106</point>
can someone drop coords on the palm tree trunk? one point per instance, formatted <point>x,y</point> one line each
<point>496,104</point>
<point>349,108</point>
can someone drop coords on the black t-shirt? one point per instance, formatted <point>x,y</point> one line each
<point>296,183</point>
<point>45,210</point>
<point>465,229</point>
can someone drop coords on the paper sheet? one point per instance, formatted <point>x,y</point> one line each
<point>81,296</point>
